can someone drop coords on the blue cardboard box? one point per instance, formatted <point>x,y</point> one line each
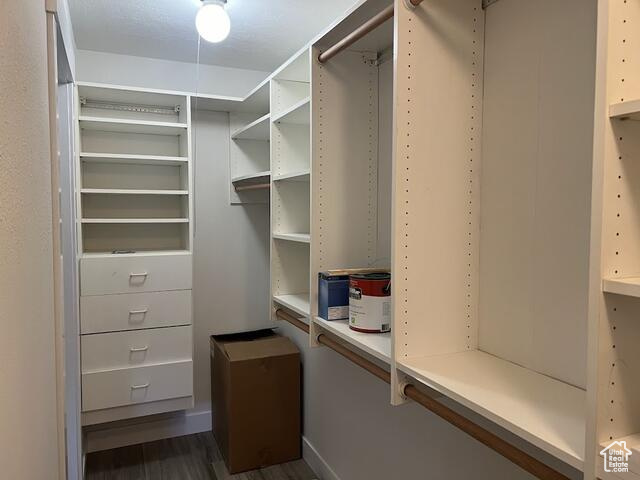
<point>333,296</point>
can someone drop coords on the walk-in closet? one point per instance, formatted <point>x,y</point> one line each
<point>338,240</point>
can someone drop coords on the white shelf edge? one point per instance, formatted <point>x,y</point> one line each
<point>144,253</point>
<point>377,345</point>
<point>293,176</point>
<point>121,156</point>
<point>247,128</point>
<point>498,405</point>
<point>293,108</point>
<point>629,286</point>
<point>630,108</point>
<point>130,121</point>
<point>251,176</point>
<point>298,302</point>
<point>293,237</point>
<point>116,191</point>
<point>133,220</point>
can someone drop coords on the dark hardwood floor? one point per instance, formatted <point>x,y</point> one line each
<point>192,457</point>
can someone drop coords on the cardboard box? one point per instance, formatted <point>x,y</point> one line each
<point>255,391</point>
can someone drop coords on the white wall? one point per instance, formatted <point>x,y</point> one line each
<point>28,430</point>
<point>126,70</point>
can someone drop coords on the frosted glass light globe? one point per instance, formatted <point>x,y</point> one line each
<point>213,22</point>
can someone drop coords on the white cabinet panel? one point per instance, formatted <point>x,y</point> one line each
<point>133,311</point>
<point>130,274</point>
<point>109,351</point>
<point>130,386</point>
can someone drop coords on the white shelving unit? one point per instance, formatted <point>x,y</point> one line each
<point>377,345</point>
<point>134,204</point>
<point>249,162</point>
<point>290,190</point>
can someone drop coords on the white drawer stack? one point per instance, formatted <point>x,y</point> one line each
<point>136,338</point>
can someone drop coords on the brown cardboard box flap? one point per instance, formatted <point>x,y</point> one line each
<point>275,346</point>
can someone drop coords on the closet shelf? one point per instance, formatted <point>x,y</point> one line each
<point>629,110</point>
<point>145,253</point>
<point>298,113</point>
<point>135,220</point>
<point>546,412</point>
<point>297,302</point>
<point>250,178</point>
<point>301,176</point>
<point>629,286</point>
<point>115,191</point>
<point>132,126</point>
<point>375,344</point>
<point>256,130</point>
<point>136,159</point>
<point>293,237</point>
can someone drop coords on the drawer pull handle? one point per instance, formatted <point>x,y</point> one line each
<point>141,349</point>
<point>138,312</point>
<point>139,387</point>
<point>142,275</point>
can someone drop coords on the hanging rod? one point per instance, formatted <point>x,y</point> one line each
<point>127,107</point>
<point>484,436</point>
<point>361,31</point>
<point>255,186</point>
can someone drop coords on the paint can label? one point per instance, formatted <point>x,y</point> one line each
<point>370,303</point>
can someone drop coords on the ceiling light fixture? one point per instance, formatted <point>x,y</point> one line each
<point>212,21</point>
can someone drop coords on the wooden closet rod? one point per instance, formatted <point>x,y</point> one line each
<point>484,436</point>
<point>257,186</point>
<point>360,32</point>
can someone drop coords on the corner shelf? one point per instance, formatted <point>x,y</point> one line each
<point>293,237</point>
<point>375,344</point>
<point>297,302</point>
<point>115,191</point>
<point>298,113</point>
<point>629,110</point>
<point>256,130</point>
<point>301,176</point>
<point>131,126</point>
<point>135,220</point>
<point>546,412</point>
<point>132,159</point>
<point>629,286</point>
<point>250,178</point>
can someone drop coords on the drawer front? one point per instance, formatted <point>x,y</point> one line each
<point>129,386</point>
<point>111,351</point>
<point>133,311</point>
<point>153,273</point>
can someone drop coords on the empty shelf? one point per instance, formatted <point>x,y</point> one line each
<point>302,176</point>
<point>299,113</point>
<point>135,220</point>
<point>132,126</point>
<point>114,191</point>
<point>256,130</point>
<point>127,159</point>
<point>546,412</point>
<point>293,237</point>
<point>625,110</point>
<point>297,302</point>
<point>629,286</point>
<point>375,344</point>
<point>258,177</point>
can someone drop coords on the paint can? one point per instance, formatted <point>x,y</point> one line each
<point>370,302</point>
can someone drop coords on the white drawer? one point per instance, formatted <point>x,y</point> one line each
<point>129,386</point>
<point>132,274</point>
<point>110,351</point>
<point>133,311</point>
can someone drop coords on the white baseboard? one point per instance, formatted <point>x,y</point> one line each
<point>318,464</point>
<point>147,430</point>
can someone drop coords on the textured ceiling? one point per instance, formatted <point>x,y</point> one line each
<point>264,33</point>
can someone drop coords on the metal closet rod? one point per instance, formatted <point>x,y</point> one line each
<point>484,436</point>
<point>257,186</point>
<point>360,32</point>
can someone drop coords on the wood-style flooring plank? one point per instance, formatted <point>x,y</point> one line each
<point>125,463</point>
